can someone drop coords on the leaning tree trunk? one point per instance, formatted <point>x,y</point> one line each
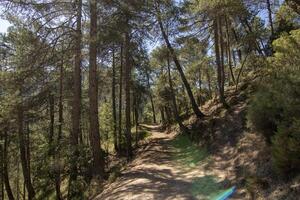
<point>98,159</point>
<point>127,96</point>
<point>173,99</point>
<point>24,153</point>
<point>196,110</point>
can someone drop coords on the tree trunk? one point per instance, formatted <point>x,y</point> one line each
<point>162,115</point>
<point>51,125</point>
<point>173,99</point>
<point>132,111</point>
<point>127,96</point>
<point>221,40</point>
<point>120,99</point>
<point>270,17</point>
<point>233,57</point>
<point>136,113</point>
<point>76,107</point>
<point>2,167</point>
<point>218,62</point>
<point>59,135</point>
<point>24,191</point>
<point>167,114</point>
<point>28,153</point>
<point>196,110</point>
<point>209,83</point>
<point>98,159</point>
<point>5,168</point>
<point>200,86</point>
<point>151,98</point>
<point>229,50</point>
<point>24,154</point>
<point>17,179</point>
<point>114,112</point>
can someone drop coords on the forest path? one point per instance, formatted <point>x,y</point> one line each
<point>158,173</point>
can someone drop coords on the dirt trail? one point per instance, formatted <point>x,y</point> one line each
<point>154,174</point>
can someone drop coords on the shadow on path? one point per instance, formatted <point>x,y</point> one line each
<point>155,173</point>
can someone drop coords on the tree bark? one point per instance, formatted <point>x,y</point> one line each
<point>209,83</point>
<point>270,17</point>
<point>51,125</point>
<point>229,50</point>
<point>114,112</point>
<point>200,86</point>
<point>196,110</point>
<point>98,158</point>
<point>151,98</point>
<point>24,153</point>
<point>218,62</point>
<point>5,168</point>
<point>221,40</point>
<point>59,134</point>
<point>162,115</point>
<point>2,167</point>
<point>127,96</point>
<point>17,180</point>
<point>173,99</point>
<point>136,114</point>
<point>76,107</point>
<point>168,116</point>
<point>120,99</point>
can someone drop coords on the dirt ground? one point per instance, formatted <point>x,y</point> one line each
<point>157,173</point>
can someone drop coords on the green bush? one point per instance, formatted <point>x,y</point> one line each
<point>286,148</point>
<point>275,108</point>
<point>264,112</point>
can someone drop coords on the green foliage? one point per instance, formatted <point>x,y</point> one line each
<point>263,113</point>
<point>275,109</point>
<point>115,172</point>
<point>106,128</point>
<point>286,147</point>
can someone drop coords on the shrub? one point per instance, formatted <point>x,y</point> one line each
<point>275,108</point>
<point>263,113</point>
<point>286,148</point>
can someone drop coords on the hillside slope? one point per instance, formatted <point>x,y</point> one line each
<point>237,153</point>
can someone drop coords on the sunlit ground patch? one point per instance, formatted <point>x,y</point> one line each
<point>206,187</point>
<point>209,188</point>
<point>186,152</point>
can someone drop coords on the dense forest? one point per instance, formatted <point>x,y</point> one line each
<point>91,89</point>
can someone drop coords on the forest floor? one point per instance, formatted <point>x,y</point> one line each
<point>166,167</point>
